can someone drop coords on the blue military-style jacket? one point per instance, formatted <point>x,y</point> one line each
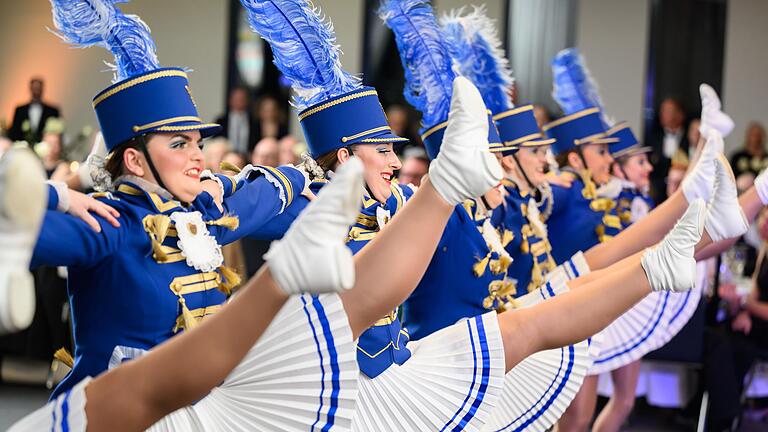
<point>525,239</point>
<point>130,288</point>
<point>632,204</point>
<point>579,219</point>
<point>465,278</point>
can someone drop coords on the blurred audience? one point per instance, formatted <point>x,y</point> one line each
<point>214,151</point>
<point>694,135</point>
<point>739,341</point>
<point>751,158</point>
<point>271,119</point>
<point>288,151</point>
<point>666,138</point>
<point>266,152</point>
<point>415,166</point>
<point>29,119</point>
<point>234,158</point>
<point>237,124</point>
<point>401,120</point>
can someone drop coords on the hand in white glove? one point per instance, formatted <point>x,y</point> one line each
<point>712,116</point>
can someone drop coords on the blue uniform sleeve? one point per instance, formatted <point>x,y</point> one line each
<point>560,198</point>
<point>65,240</point>
<point>259,202</point>
<point>53,198</point>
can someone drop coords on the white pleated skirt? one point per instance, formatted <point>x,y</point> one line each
<point>301,375</point>
<point>451,382</point>
<point>539,389</point>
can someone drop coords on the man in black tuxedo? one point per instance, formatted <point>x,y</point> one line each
<point>237,125</point>
<point>29,120</point>
<point>666,139</point>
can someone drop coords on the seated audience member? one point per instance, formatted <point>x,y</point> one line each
<point>415,166</point>
<point>752,158</point>
<point>666,138</point>
<point>266,152</point>
<point>733,347</point>
<point>237,125</point>
<point>214,151</point>
<point>271,119</point>
<point>288,147</point>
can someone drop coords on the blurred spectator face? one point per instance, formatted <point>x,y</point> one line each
<point>413,170</point>
<point>266,153</point>
<point>238,100</point>
<point>637,169</point>
<point>214,151</point>
<point>693,133</point>
<point>36,89</point>
<point>235,159</point>
<point>755,140</point>
<point>541,114</point>
<point>54,146</point>
<point>398,119</point>
<point>671,115</point>
<point>268,109</point>
<point>674,179</point>
<point>287,151</point>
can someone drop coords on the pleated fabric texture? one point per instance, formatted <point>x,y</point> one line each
<point>65,413</point>
<point>682,306</point>
<point>632,335</point>
<point>451,382</point>
<point>539,389</point>
<point>301,375</point>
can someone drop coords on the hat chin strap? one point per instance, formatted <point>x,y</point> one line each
<point>152,168</point>
<point>522,171</point>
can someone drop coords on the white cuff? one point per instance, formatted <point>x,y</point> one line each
<point>62,191</point>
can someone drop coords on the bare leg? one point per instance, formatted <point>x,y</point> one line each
<point>140,392</point>
<point>579,414</point>
<point>640,235</point>
<point>620,406</point>
<point>406,244</point>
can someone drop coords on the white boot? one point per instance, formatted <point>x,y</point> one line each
<point>465,168</point>
<point>670,265</point>
<point>22,206</point>
<point>712,116</point>
<point>725,219</point>
<point>700,181</point>
<point>312,256</point>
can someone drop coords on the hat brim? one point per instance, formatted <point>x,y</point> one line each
<point>385,137</point>
<point>505,150</point>
<point>604,140</point>
<point>206,129</point>
<point>538,143</point>
<point>631,151</point>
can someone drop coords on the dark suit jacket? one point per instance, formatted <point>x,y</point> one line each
<point>661,164</point>
<point>21,114</point>
<point>254,130</point>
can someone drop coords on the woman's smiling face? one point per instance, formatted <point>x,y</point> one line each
<point>380,162</point>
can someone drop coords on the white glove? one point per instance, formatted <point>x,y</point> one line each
<point>312,256</point>
<point>712,116</point>
<point>465,168</point>
<point>670,266</point>
<point>761,186</point>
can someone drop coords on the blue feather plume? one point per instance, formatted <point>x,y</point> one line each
<point>304,47</point>
<point>84,23</point>
<point>428,69</point>
<point>574,88</point>
<point>474,44</point>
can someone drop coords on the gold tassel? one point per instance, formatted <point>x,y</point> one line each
<point>479,267</point>
<point>189,320</point>
<point>65,357</point>
<point>231,222</point>
<point>507,237</point>
<point>157,227</point>
<point>590,190</point>
<point>226,166</point>
<point>500,266</point>
<point>231,280</point>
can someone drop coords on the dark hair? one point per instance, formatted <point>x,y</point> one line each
<point>328,161</point>
<point>562,158</point>
<point>114,165</point>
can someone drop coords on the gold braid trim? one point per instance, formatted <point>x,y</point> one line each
<point>231,222</point>
<point>226,166</point>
